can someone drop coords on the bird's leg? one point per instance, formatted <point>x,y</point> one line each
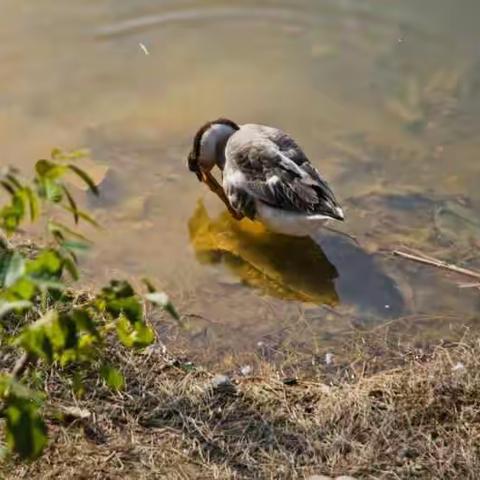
<point>216,188</point>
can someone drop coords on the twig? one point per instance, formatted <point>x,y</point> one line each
<point>438,263</point>
<point>469,285</point>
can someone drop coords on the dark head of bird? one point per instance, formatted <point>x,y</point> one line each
<point>209,146</point>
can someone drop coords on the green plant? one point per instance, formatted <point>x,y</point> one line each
<point>36,303</point>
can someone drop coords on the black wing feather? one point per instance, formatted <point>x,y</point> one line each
<point>271,178</point>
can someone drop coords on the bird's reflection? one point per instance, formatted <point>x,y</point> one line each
<point>285,267</point>
<point>328,271</point>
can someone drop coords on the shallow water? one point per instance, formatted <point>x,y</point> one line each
<point>383,96</point>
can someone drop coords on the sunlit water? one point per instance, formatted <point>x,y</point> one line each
<point>383,96</point>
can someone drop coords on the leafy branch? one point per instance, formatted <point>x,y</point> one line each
<point>49,327</point>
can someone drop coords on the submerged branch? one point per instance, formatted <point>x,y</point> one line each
<point>438,263</point>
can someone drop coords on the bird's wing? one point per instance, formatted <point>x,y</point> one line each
<point>266,164</point>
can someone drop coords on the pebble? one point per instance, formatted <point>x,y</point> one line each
<point>246,370</point>
<point>458,367</point>
<point>329,358</point>
<point>223,383</point>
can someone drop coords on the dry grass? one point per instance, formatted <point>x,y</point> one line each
<point>420,419</point>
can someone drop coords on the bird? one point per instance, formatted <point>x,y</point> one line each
<point>266,176</point>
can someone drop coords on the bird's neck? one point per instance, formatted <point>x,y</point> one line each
<point>214,141</point>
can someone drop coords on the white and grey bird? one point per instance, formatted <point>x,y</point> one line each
<point>266,177</point>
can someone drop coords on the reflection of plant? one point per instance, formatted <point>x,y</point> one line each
<point>39,315</point>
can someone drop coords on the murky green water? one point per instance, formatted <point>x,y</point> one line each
<point>383,96</point>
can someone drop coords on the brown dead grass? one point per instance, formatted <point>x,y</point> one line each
<point>420,419</point>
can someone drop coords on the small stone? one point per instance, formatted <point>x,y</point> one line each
<point>328,358</point>
<point>458,367</point>
<point>223,383</point>
<point>246,370</point>
<point>344,477</point>
<point>319,477</point>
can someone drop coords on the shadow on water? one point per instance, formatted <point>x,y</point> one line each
<point>331,271</point>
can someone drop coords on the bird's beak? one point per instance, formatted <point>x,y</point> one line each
<point>193,167</point>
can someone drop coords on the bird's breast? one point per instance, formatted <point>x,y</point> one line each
<point>289,223</point>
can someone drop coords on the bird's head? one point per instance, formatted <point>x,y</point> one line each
<point>209,146</point>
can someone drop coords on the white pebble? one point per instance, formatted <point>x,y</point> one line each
<point>458,366</point>
<point>246,370</point>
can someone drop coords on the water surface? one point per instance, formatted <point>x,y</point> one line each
<point>383,96</point>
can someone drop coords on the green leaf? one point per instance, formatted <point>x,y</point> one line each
<point>5,257</point>
<point>16,269</point>
<point>12,214</point>
<point>71,267</point>
<point>49,286</point>
<point>35,338</point>
<point>130,307</point>
<point>23,289</point>
<point>73,246</point>
<point>150,286</point>
<point>14,180</point>
<point>17,306</point>
<point>63,333</point>
<point>113,377</point>
<point>65,231</point>
<point>136,335</point>
<point>83,215</point>
<point>72,203</point>
<point>161,299</point>
<point>85,177</point>
<point>53,191</point>
<point>118,289</point>
<point>26,432</point>
<point>6,185</point>
<point>143,335</point>
<point>56,153</point>
<point>47,265</point>
<point>84,321</point>
<point>50,170</point>
<point>34,204</point>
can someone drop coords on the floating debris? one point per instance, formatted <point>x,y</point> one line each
<point>144,48</point>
